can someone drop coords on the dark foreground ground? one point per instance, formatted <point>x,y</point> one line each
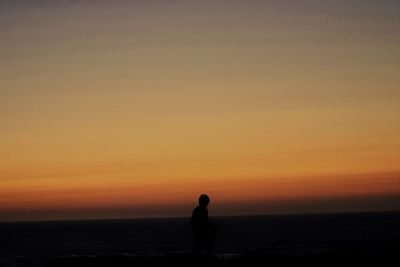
<point>196,260</point>
<point>313,240</point>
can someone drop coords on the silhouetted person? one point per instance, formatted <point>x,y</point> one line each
<point>204,233</point>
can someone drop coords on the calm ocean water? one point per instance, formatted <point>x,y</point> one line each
<point>369,233</point>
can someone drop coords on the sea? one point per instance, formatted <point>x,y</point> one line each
<point>288,235</point>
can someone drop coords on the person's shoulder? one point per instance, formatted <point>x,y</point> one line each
<point>196,213</point>
<point>196,209</point>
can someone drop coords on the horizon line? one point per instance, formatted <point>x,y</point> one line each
<point>211,216</point>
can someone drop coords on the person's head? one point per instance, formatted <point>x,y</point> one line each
<point>204,200</point>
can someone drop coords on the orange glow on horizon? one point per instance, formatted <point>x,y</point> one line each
<point>170,192</point>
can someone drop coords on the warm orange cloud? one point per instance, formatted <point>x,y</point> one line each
<point>135,193</point>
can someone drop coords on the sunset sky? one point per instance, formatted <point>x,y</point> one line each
<point>114,109</point>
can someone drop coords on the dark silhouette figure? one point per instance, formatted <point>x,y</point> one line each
<point>204,233</point>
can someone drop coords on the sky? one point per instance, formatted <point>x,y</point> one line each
<point>120,109</point>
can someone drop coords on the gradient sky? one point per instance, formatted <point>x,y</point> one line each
<point>133,108</point>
